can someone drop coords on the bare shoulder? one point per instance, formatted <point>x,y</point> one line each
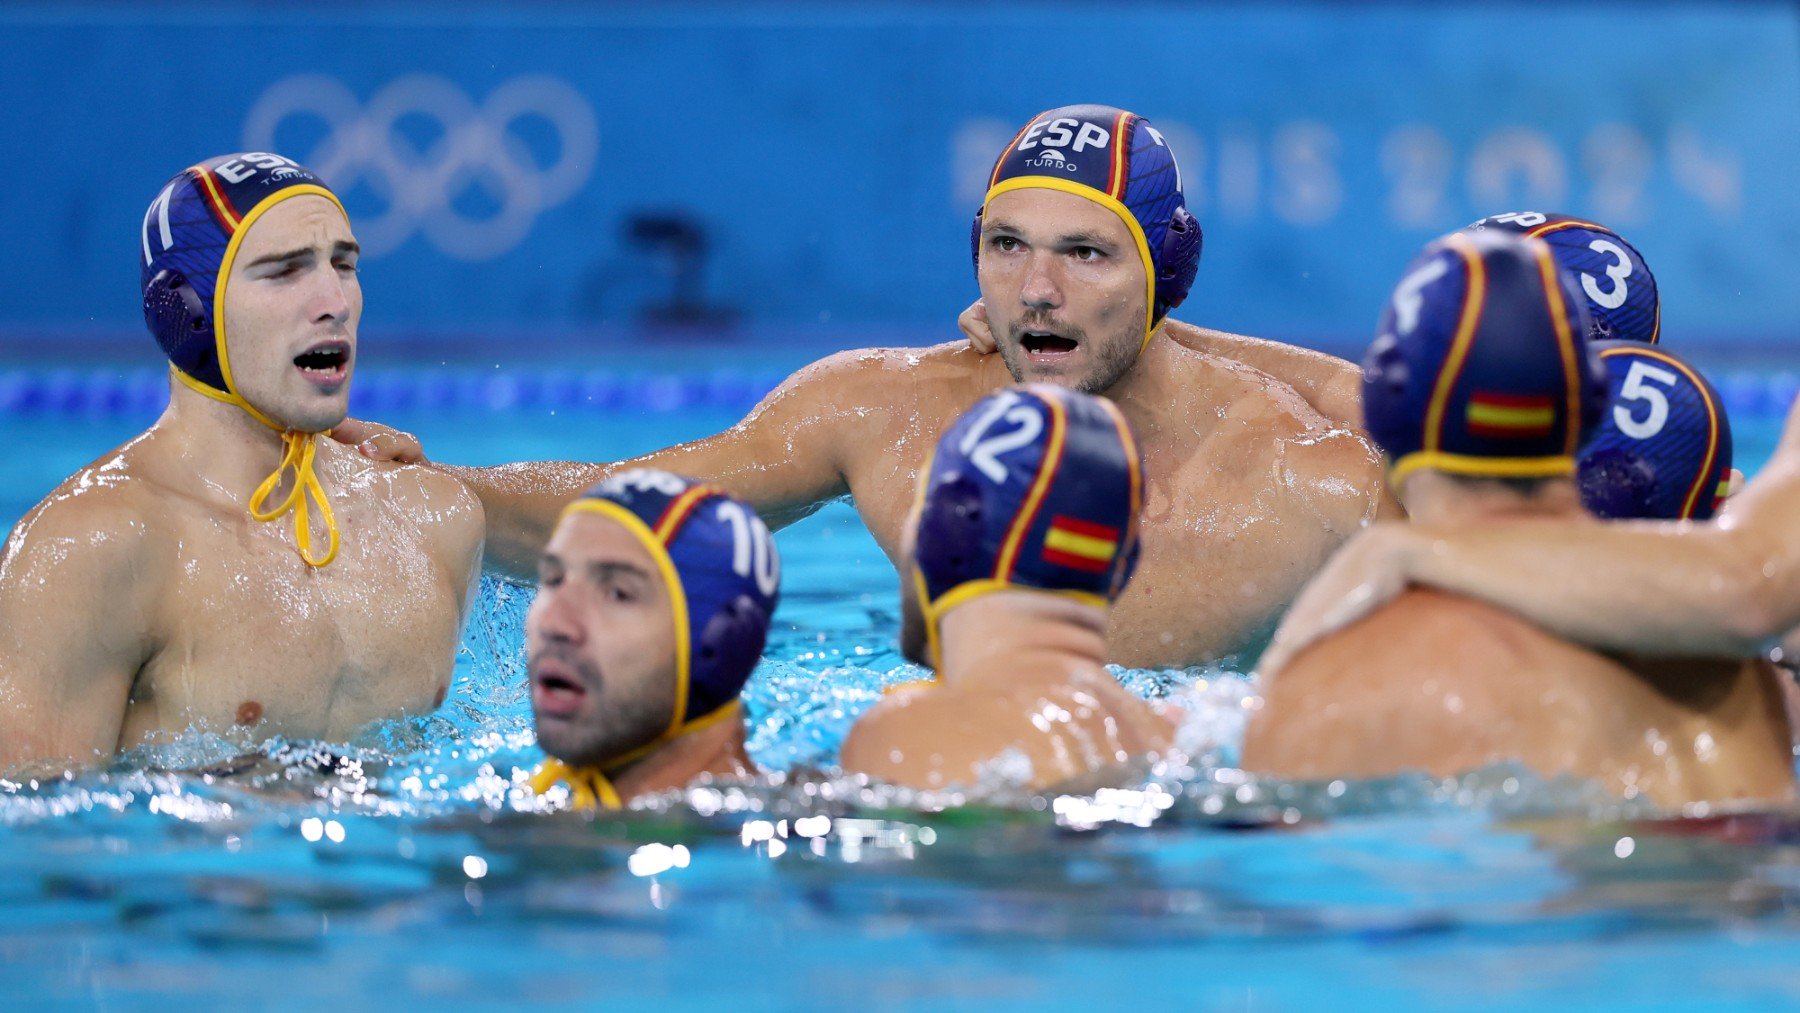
<point>1427,629</point>
<point>445,510</point>
<point>103,521</point>
<point>892,375</point>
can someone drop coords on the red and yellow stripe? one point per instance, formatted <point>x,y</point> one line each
<point>1510,416</point>
<point>221,205</point>
<point>676,513</point>
<point>1080,545</point>
<point>1115,184</point>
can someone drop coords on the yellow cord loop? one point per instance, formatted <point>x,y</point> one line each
<point>589,789</point>
<point>298,457</point>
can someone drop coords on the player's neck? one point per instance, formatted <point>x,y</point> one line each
<point>1445,501</point>
<point>1149,394</point>
<point>219,443</point>
<point>1021,631</point>
<point>718,748</point>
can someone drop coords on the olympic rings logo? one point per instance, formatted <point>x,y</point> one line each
<point>477,149</point>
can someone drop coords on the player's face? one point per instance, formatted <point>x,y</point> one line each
<point>292,304</point>
<point>601,643</point>
<point>1063,283</point>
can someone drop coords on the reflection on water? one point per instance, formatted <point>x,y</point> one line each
<point>413,863</point>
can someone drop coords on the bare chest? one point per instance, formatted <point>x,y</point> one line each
<point>253,638</point>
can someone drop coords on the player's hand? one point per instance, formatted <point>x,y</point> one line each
<point>974,324</point>
<point>1367,573</point>
<point>378,442</point>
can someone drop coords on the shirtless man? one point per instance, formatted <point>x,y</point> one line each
<point>1083,248</point>
<point>1480,391</point>
<point>161,588</point>
<point>653,604</point>
<point>1025,534</point>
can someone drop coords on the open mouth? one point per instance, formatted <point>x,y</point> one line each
<point>556,695</point>
<point>326,362</point>
<point>1045,343</point>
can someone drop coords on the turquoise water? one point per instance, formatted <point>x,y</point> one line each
<point>422,874</point>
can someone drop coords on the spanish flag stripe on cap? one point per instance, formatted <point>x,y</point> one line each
<point>221,204</point>
<point>1080,545</point>
<point>1115,186</point>
<point>676,513</point>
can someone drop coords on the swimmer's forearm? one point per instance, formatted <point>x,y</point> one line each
<point>1652,589</point>
<point>522,502</point>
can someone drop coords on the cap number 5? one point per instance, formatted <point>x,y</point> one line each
<point>1638,387</point>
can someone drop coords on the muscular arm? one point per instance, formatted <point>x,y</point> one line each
<point>1724,588</point>
<point>73,634</point>
<point>785,458</point>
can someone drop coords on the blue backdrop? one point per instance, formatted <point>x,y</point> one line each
<point>491,154</point>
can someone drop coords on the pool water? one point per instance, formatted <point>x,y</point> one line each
<point>420,872</point>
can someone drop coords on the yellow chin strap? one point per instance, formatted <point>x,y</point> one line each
<point>591,787</point>
<point>588,788</point>
<point>298,448</point>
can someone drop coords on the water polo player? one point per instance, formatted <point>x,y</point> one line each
<point>653,604</point>
<point>1082,247</point>
<point>1481,390</point>
<point>1025,534</point>
<point>227,570</point>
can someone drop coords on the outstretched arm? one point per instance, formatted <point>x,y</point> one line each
<point>1729,587</point>
<point>1332,386</point>
<point>73,635</point>
<point>785,458</point>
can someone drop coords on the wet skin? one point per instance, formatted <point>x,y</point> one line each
<point>1249,489</point>
<point>1444,684</point>
<point>140,598</point>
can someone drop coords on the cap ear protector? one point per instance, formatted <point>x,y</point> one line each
<point>731,641</point>
<point>1119,161</point>
<point>173,307</point>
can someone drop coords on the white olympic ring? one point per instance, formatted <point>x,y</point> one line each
<point>477,146</point>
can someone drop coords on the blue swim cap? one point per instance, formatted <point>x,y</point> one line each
<point>1034,487</point>
<point>723,575</point>
<point>191,236</point>
<point>1118,160</point>
<point>1621,292</point>
<point>1663,451</point>
<point>1479,368</point>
